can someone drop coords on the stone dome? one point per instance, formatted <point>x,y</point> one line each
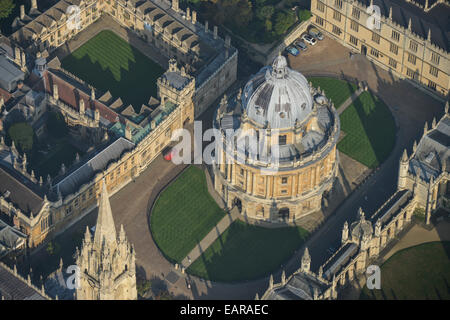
<point>277,96</point>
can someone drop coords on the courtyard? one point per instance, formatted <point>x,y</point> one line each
<point>108,62</point>
<point>426,277</point>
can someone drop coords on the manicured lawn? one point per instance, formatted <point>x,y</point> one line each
<point>245,252</point>
<point>370,130</point>
<point>109,63</point>
<point>184,214</point>
<point>336,90</point>
<point>420,272</point>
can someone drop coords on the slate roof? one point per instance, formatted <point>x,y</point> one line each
<point>74,180</point>
<point>22,192</point>
<point>8,71</point>
<point>433,149</point>
<point>13,288</point>
<point>10,238</point>
<point>300,287</point>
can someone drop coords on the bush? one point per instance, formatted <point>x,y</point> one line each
<point>143,287</point>
<point>6,7</point>
<point>23,136</point>
<point>419,214</point>
<point>304,15</point>
<point>265,13</point>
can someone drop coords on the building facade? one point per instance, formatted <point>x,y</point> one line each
<point>281,156</point>
<point>409,38</point>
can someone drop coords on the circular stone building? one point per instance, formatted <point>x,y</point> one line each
<point>278,152</point>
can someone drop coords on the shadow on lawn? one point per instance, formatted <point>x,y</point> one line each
<point>135,85</point>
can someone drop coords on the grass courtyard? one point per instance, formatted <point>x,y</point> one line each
<point>336,90</point>
<point>183,215</point>
<point>110,63</point>
<point>369,129</point>
<point>426,277</point>
<point>245,252</point>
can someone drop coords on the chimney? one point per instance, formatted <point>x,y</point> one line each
<point>215,32</point>
<point>97,115</point>
<point>227,41</point>
<point>188,13</point>
<point>55,92</point>
<point>24,59</point>
<point>22,12</point>
<point>33,4</point>
<point>175,6</point>
<point>17,55</point>
<point>194,17</point>
<point>128,133</point>
<point>206,26</point>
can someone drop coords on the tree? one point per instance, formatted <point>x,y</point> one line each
<point>243,13</point>
<point>23,136</point>
<point>265,13</point>
<point>6,7</point>
<point>283,21</point>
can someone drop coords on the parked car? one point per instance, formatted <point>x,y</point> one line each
<point>292,50</point>
<point>315,33</point>
<point>301,45</point>
<point>309,39</point>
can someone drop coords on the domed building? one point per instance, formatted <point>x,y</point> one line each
<point>278,152</point>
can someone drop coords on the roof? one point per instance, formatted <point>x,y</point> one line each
<point>10,238</point>
<point>9,72</point>
<point>300,286</point>
<point>21,192</point>
<point>278,96</point>
<point>432,151</point>
<point>74,180</point>
<point>14,288</point>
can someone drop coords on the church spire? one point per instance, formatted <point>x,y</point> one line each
<point>105,229</point>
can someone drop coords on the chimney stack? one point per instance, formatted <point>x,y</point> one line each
<point>55,92</point>
<point>215,32</point>
<point>206,26</point>
<point>33,4</point>
<point>175,5</point>
<point>22,12</point>
<point>194,17</point>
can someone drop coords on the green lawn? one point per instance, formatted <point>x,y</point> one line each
<point>369,130</point>
<point>419,272</point>
<point>184,214</point>
<point>245,252</point>
<point>109,63</point>
<point>336,90</point>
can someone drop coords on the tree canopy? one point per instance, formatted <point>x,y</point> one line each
<point>6,7</point>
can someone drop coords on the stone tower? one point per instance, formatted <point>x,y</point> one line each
<point>107,262</point>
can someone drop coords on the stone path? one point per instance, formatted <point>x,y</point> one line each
<point>349,101</point>
<point>212,236</point>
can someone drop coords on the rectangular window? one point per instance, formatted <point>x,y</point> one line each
<point>320,6</point>
<point>337,16</point>
<point>434,71</point>
<point>413,46</point>
<point>374,52</point>
<point>356,13</point>
<point>411,58</point>
<point>284,180</point>
<point>354,26</point>
<point>282,140</point>
<point>375,37</point>
<point>242,172</point>
<point>431,85</point>
<point>435,58</point>
<point>395,35</point>
<point>338,3</point>
<point>353,40</point>
<point>394,48</point>
<point>336,30</point>
<point>411,73</point>
<point>319,20</point>
<point>392,63</point>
